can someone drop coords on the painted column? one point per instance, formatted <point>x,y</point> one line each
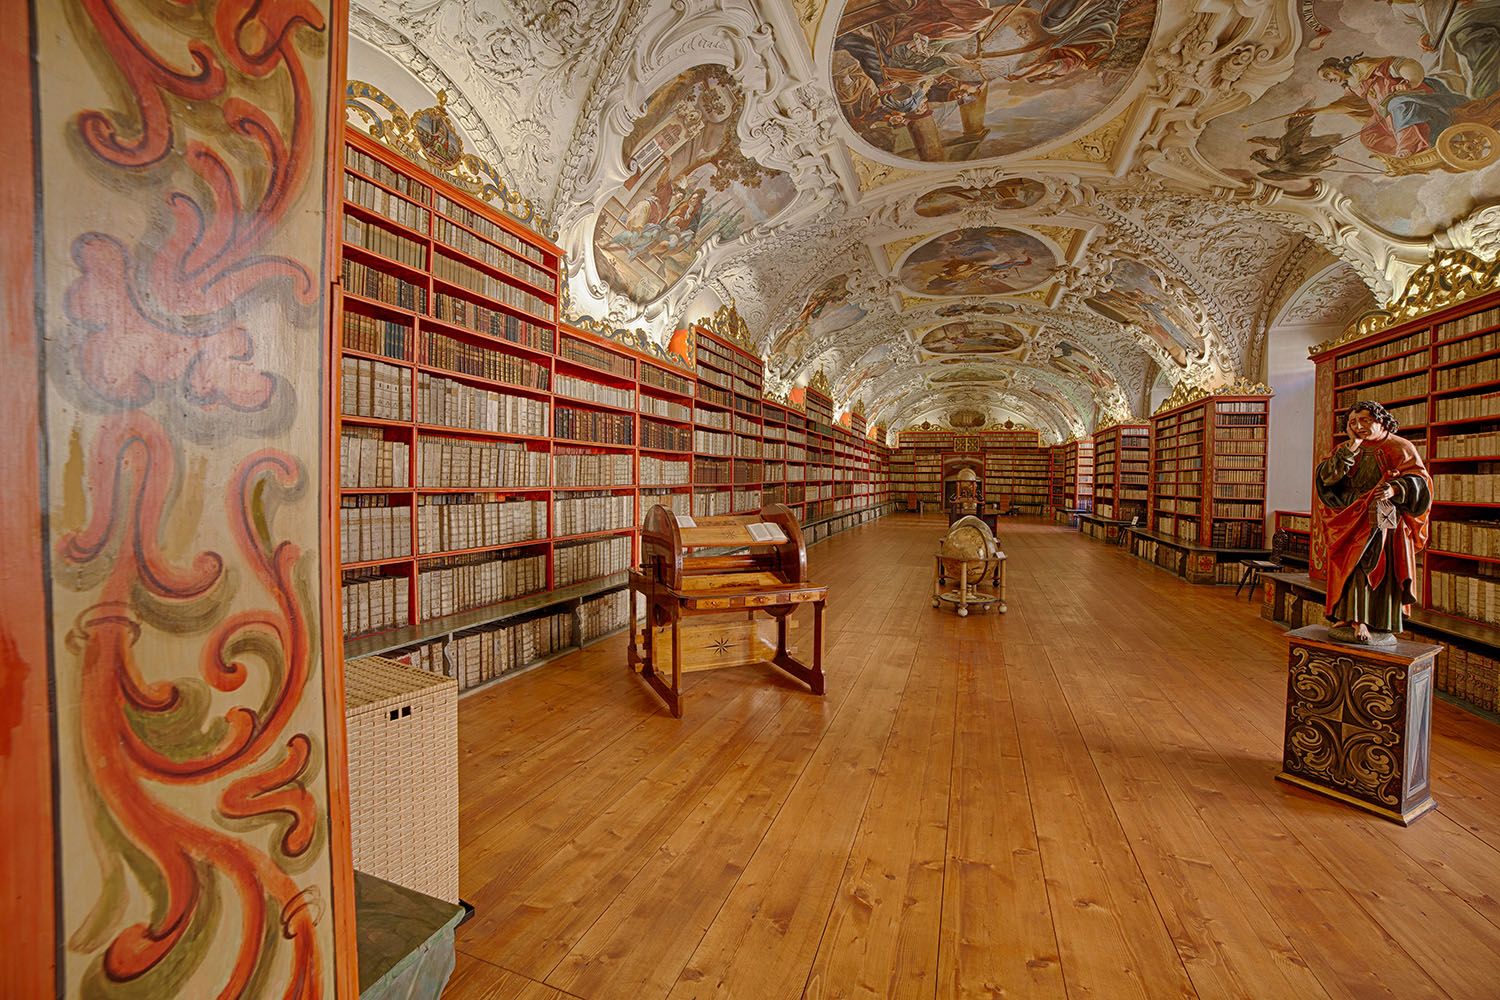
<point>198,774</point>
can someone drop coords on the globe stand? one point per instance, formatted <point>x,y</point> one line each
<point>986,592</point>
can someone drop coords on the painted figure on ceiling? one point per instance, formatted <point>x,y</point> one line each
<point>1466,36</point>
<point>1404,109</point>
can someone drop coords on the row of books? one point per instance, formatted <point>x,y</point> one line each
<point>1479,538</point>
<point>1239,475</point>
<point>454,355</point>
<point>708,394</point>
<point>1409,342</point>
<point>601,615</point>
<point>489,229</point>
<point>357,159</point>
<point>594,392</point>
<point>368,461</point>
<point>1483,486</point>
<point>1469,595</point>
<point>668,408</point>
<point>1239,510</point>
<point>373,283</point>
<point>1235,535</point>
<point>582,561</point>
<point>374,389</point>
<point>1384,369</point>
<point>593,425</point>
<point>595,356</point>
<point>665,437</point>
<point>451,463</point>
<point>583,468</point>
<point>717,419</point>
<point>1472,445</point>
<point>711,443</point>
<point>1240,491</point>
<point>1472,323</point>
<point>712,470</point>
<point>1241,448</point>
<point>376,336</point>
<point>664,472</point>
<point>459,521</point>
<point>663,379</point>
<point>464,241</point>
<point>1467,407</point>
<point>745,447</point>
<point>677,503</point>
<point>582,513</point>
<point>370,529</point>
<point>1469,348</point>
<point>377,199</point>
<point>375,237</point>
<point>470,315</point>
<point>459,583</point>
<point>448,403</point>
<point>1470,675</point>
<point>479,656</point>
<point>1414,385</point>
<point>483,283</point>
<point>373,603</point>
<point>1474,373</point>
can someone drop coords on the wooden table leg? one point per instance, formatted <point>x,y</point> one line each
<point>817,682</point>
<point>1001,588</point>
<point>676,670</point>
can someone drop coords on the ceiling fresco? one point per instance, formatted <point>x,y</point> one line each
<point>1033,211</point>
<point>946,80</point>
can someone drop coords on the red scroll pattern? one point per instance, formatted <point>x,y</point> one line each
<point>159,336</point>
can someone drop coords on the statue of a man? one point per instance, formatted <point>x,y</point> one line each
<point>1377,493</point>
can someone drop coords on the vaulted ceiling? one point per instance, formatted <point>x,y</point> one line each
<point>1047,211</point>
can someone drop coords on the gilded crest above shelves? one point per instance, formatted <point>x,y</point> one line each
<point>429,139</point>
<point>1185,393</point>
<point>729,324</point>
<point>1448,279</point>
<point>819,383</point>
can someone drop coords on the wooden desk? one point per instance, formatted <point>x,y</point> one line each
<point>675,583</point>
<point>1194,563</point>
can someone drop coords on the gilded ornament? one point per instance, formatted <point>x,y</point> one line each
<point>729,324</point>
<point>429,139</point>
<point>1448,279</point>
<point>819,383</point>
<point>1185,393</point>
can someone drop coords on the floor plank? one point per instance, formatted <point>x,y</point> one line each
<point>1075,799</point>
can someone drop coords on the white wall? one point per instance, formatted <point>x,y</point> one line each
<point>1290,453</point>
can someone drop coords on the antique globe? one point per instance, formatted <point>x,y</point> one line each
<point>968,540</point>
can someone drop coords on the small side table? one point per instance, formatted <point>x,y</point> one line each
<point>1359,722</point>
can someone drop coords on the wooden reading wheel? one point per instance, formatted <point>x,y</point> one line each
<point>769,576</point>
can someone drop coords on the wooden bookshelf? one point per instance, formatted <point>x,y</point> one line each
<point>1122,471</point>
<point>1208,472</point>
<point>1439,375</point>
<point>1295,527</point>
<point>1077,473</point>
<point>496,464</point>
<point>1055,485</point>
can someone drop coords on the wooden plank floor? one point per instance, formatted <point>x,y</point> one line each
<point>1075,799</point>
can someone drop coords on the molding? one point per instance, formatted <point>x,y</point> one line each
<point>1450,277</point>
<point>1185,394</point>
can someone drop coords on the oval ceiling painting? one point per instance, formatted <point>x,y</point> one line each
<point>1008,195</point>
<point>966,337</point>
<point>951,80</point>
<point>689,182</point>
<point>988,260</point>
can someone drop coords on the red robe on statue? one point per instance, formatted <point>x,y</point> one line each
<point>1347,530</point>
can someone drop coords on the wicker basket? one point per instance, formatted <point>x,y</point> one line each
<point>403,774</point>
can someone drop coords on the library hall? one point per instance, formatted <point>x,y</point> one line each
<point>750,500</point>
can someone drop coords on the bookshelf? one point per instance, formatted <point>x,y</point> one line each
<point>1437,369</point>
<point>1295,526</point>
<point>1122,471</point>
<point>1208,471</point>
<point>1055,486</point>
<point>1077,478</point>
<point>1016,469</point>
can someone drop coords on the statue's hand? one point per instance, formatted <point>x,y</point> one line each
<point>1387,492</point>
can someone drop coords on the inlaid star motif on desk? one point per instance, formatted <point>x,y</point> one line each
<point>721,646</point>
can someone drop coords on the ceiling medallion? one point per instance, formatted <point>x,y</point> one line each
<point>729,324</point>
<point>1448,279</point>
<point>1184,393</point>
<point>429,140</point>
